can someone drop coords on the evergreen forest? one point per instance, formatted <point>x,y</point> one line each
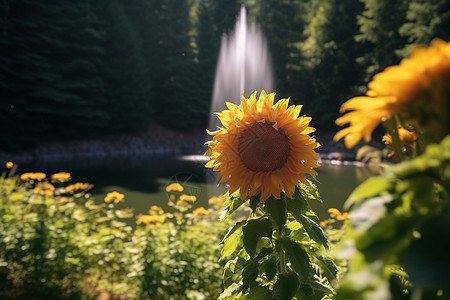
<point>80,68</point>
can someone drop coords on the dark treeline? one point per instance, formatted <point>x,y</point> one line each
<point>75,68</point>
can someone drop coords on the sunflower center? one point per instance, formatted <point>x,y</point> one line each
<point>262,148</point>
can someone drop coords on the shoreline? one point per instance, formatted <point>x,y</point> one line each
<point>156,141</point>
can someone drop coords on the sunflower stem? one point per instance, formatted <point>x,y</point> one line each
<point>282,261</point>
<point>278,237</point>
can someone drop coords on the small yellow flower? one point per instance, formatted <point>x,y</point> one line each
<point>147,219</point>
<point>78,187</point>
<point>174,187</point>
<point>342,217</point>
<point>323,224</point>
<point>213,200</point>
<point>417,89</point>
<point>180,203</point>
<point>61,176</point>
<point>334,211</point>
<point>9,165</point>
<point>44,188</point>
<point>33,176</point>
<point>156,210</point>
<point>406,137</point>
<point>188,198</point>
<point>200,211</point>
<point>114,196</point>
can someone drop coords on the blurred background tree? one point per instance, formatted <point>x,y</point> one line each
<point>74,70</point>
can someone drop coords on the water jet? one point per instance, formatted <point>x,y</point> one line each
<point>244,64</point>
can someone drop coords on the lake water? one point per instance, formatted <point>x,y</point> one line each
<point>143,180</point>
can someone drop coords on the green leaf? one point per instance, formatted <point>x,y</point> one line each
<point>312,179</point>
<point>232,241</point>
<point>277,209</point>
<point>314,231</point>
<point>328,267</point>
<point>297,208</point>
<point>263,248</point>
<point>310,192</point>
<point>286,286</point>
<point>235,203</point>
<point>233,229</point>
<point>229,292</point>
<point>320,284</point>
<point>298,258</point>
<point>228,273</point>
<point>253,231</point>
<point>299,235</point>
<point>371,187</point>
<point>249,275</point>
<point>259,293</point>
<point>298,205</point>
<point>254,201</point>
<point>269,268</point>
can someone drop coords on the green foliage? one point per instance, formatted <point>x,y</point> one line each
<point>379,34</point>
<point>330,72</point>
<point>70,70</point>
<point>57,243</point>
<point>51,53</point>
<point>280,251</point>
<point>125,75</point>
<point>397,222</point>
<point>425,20</point>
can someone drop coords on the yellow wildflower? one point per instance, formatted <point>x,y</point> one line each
<point>9,165</point>
<point>213,200</point>
<point>200,211</point>
<point>44,188</point>
<point>61,176</point>
<point>174,187</point>
<point>156,210</point>
<point>147,219</point>
<point>342,217</point>
<point>188,198</point>
<point>78,187</point>
<point>334,211</point>
<point>114,196</point>
<point>33,176</point>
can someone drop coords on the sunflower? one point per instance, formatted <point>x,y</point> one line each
<point>418,89</point>
<point>263,148</point>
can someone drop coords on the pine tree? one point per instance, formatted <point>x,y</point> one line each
<point>329,69</point>
<point>208,44</point>
<point>126,82</point>
<point>283,25</point>
<point>224,15</point>
<point>176,103</point>
<point>425,20</point>
<point>50,66</point>
<point>379,26</point>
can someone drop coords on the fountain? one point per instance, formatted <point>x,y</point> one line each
<point>244,65</point>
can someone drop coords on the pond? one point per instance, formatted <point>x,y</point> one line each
<point>143,180</point>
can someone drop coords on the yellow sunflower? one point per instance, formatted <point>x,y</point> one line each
<point>416,89</point>
<point>263,148</point>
